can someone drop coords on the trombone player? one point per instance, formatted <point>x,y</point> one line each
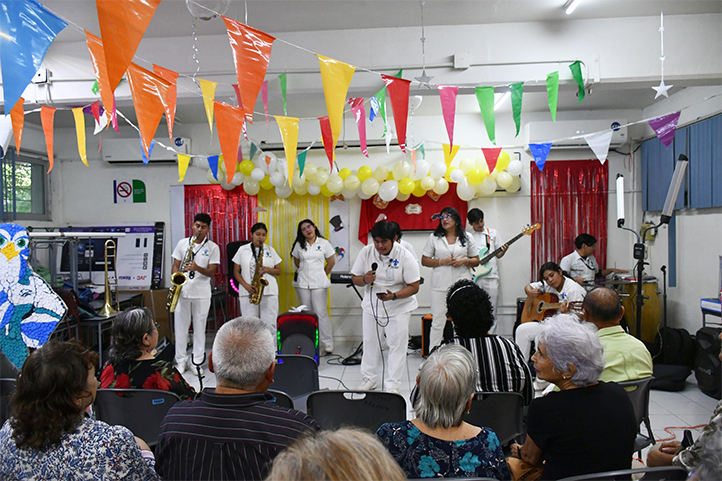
<point>198,258</point>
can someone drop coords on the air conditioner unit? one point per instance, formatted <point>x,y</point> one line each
<point>128,151</point>
<point>568,134</point>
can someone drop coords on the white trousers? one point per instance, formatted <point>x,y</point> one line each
<point>315,300</point>
<point>188,310</point>
<point>266,310</point>
<point>525,334</point>
<point>438,311</point>
<point>397,337</point>
<point>491,286</point>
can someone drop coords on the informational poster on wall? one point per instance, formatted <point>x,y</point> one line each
<point>338,232</point>
<point>137,261</point>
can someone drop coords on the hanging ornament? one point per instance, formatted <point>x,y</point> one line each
<point>424,79</point>
<point>207,9</point>
<point>662,88</point>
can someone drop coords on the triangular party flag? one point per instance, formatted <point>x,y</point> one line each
<point>289,134</point>
<point>100,123</point>
<point>254,149</point>
<point>553,93</point>
<point>172,78</point>
<point>449,153</point>
<point>491,156</point>
<point>17,115</point>
<point>183,162</point>
<point>423,151</point>
<point>97,58</point>
<point>517,91</point>
<point>80,133</point>
<point>336,77</point>
<point>358,110</point>
<point>399,92</point>
<point>47,114</point>
<point>149,93</point>
<point>448,93</point>
<point>122,25</point>
<point>540,153</point>
<point>282,83</point>
<point>301,163</point>
<point>146,158</point>
<point>95,89</point>
<point>599,143</point>
<point>485,98</point>
<point>229,120</point>
<point>264,96</point>
<point>665,127</point>
<point>27,29</point>
<point>213,165</point>
<point>95,109</point>
<point>251,53</point>
<point>576,68</point>
<point>374,110</point>
<point>208,90</point>
<point>238,95</point>
<point>327,138</point>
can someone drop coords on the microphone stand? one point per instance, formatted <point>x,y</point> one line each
<point>198,371</point>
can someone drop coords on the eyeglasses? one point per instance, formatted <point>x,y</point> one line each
<point>446,216</point>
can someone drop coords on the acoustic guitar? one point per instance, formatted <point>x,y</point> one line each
<point>544,305</point>
<point>482,269</point>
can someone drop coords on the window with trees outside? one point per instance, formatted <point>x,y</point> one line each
<point>24,188</point>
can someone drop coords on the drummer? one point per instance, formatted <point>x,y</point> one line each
<point>581,265</point>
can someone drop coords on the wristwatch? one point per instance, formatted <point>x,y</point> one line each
<point>394,298</point>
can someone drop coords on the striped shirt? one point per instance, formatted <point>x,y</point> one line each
<point>226,436</point>
<point>502,367</point>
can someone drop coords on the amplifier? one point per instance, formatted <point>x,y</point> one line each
<point>298,334</point>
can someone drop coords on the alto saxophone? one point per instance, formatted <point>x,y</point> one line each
<point>258,281</point>
<point>178,279</point>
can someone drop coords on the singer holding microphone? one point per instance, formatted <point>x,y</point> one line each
<point>391,277</point>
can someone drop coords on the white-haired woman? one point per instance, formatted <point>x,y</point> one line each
<point>439,443</point>
<point>586,427</point>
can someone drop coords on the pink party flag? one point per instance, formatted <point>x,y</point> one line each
<point>448,93</point>
<point>359,112</point>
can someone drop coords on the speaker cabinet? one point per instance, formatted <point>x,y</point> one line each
<point>426,332</point>
<point>298,334</point>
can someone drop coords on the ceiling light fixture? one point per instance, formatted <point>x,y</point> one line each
<point>571,5</point>
<point>504,97</point>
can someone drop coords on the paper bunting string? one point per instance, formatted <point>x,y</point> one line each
<point>149,92</point>
<point>47,114</point>
<point>327,138</point>
<point>517,92</point>
<point>449,154</point>
<point>399,92</point>
<point>229,120</point>
<point>336,77</point>
<point>208,90</point>
<point>17,115</point>
<point>301,163</point>
<point>448,93</point>
<point>485,99</point>
<point>146,158</point>
<point>359,112</point>
<point>27,29</point>
<point>553,93</point>
<point>289,134</point>
<point>264,96</point>
<point>97,58</point>
<point>491,156</point>
<point>251,53</point>
<point>282,82</point>
<point>213,165</point>
<point>599,143</point>
<point>183,162</point>
<point>80,133</point>
<point>540,152</point>
<point>172,78</point>
<point>576,68</point>
<point>665,127</point>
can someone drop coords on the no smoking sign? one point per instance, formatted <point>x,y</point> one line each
<point>128,191</point>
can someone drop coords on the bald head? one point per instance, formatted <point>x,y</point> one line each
<point>603,307</point>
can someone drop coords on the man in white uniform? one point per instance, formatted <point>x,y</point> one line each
<point>581,265</point>
<point>195,295</point>
<point>391,279</point>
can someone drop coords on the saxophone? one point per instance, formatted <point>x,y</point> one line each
<point>258,281</point>
<point>178,279</point>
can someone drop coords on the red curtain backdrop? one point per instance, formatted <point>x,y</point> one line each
<point>568,198</point>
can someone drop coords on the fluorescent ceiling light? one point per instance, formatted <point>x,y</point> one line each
<point>571,5</point>
<point>502,98</point>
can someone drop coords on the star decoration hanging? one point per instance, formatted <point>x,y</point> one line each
<point>662,88</point>
<point>424,80</point>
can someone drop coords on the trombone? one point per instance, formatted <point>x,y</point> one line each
<point>107,310</point>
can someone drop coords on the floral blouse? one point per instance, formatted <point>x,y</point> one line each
<point>421,456</point>
<point>146,374</point>
<point>94,451</point>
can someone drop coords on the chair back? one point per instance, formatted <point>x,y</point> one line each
<point>281,398</point>
<point>296,375</point>
<point>660,473</point>
<point>638,392</point>
<point>140,410</point>
<point>7,389</point>
<point>365,409</point>
<point>500,411</point>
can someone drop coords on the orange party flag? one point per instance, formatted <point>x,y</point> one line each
<point>17,116</point>
<point>289,134</point>
<point>336,77</point>
<point>251,53</point>
<point>46,118</point>
<point>149,93</point>
<point>97,57</point>
<point>122,25</point>
<point>80,133</point>
<point>208,90</point>
<point>229,121</point>
<point>171,77</point>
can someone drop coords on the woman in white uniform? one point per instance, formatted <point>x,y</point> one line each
<point>244,267</point>
<point>450,252</point>
<point>314,257</point>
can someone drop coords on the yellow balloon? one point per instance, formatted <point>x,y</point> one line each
<point>504,179</point>
<point>247,167</point>
<point>406,186</point>
<point>325,192</point>
<point>345,172</point>
<point>503,161</point>
<point>364,173</point>
<point>266,183</point>
<point>493,174</point>
<point>418,190</point>
<point>309,170</point>
<point>352,182</point>
<point>381,173</point>
<point>475,176</point>
<point>466,165</point>
<point>428,183</point>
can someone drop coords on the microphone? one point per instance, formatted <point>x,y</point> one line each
<point>374,266</point>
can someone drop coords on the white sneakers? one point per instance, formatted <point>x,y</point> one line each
<point>182,368</point>
<point>366,385</point>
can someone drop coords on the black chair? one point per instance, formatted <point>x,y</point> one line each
<point>7,389</point>
<point>140,410</point>
<point>295,375</point>
<point>365,409</point>
<point>661,473</point>
<point>500,411</point>
<point>281,398</point>
<point>639,396</point>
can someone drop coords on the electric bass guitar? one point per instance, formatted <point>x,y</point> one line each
<point>544,305</point>
<point>482,269</point>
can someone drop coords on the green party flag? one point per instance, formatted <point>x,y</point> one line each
<point>301,162</point>
<point>485,97</point>
<point>517,91</point>
<point>94,88</point>
<point>282,81</point>
<point>423,151</point>
<point>576,69</point>
<point>553,93</point>
<point>381,97</point>
<point>254,149</point>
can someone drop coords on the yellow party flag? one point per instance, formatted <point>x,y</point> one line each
<point>336,77</point>
<point>289,133</point>
<point>208,89</point>
<point>183,161</point>
<point>449,154</point>
<point>80,133</point>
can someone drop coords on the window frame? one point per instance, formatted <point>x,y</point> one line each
<point>36,162</point>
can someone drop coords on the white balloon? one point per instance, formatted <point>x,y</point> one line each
<point>334,184</point>
<point>269,167</point>
<point>314,189</point>
<point>363,196</point>
<point>277,179</point>
<point>309,170</point>
<point>370,186</point>
<point>284,191</point>
<point>488,187</point>
<point>389,190</point>
<point>494,174</point>
<point>251,187</point>
<point>211,179</point>
<point>422,169</point>
<point>465,191</point>
<point>437,170</point>
<point>257,174</point>
<point>457,175</point>
<point>238,178</point>
<point>515,185</point>
<point>351,183</point>
<point>515,167</point>
<point>401,169</point>
<point>504,179</point>
<point>297,178</point>
<point>441,187</point>
<point>427,183</point>
<point>348,193</point>
<point>320,178</point>
<point>466,164</point>
<point>230,186</point>
<point>301,188</point>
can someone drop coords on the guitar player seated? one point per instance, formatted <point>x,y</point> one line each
<point>551,281</point>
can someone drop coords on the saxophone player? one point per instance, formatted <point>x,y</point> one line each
<point>253,263</point>
<point>198,261</point>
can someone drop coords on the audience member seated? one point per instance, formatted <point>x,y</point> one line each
<point>346,454</point>
<point>672,454</point>
<point>501,365</point>
<point>233,431</point>
<point>132,363</point>
<point>586,427</point>
<point>626,358</point>
<point>49,436</point>
<point>439,444</point>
